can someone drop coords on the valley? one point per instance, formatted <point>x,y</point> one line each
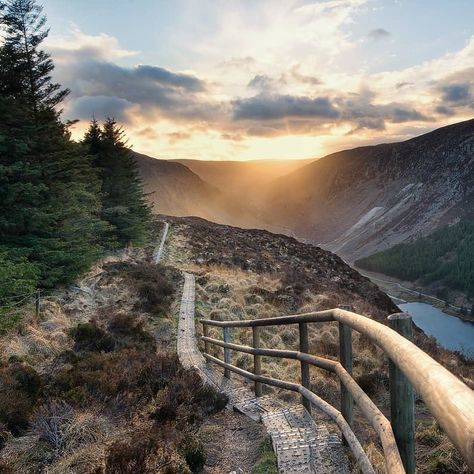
<point>355,203</point>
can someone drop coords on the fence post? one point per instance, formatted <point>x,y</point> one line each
<point>226,351</point>
<point>345,356</point>
<point>257,360</point>
<point>305,377</point>
<point>402,400</point>
<point>37,306</point>
<point>205,333</point>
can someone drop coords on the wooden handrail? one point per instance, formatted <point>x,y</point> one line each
<point>325,407</point>
<point>379,422</point>
<point>449,400</point>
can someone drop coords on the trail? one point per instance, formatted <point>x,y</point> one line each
<point>158,254</point>
<point>301,445</point>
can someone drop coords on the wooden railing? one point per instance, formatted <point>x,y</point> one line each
<point>450,401</point>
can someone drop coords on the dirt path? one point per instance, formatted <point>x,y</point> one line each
<point>158,254</point>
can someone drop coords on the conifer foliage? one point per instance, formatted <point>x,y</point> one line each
<point>58,207</point>
<point>445,258</point>
<point>124,206</point>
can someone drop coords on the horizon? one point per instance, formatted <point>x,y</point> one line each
<point>242,81</point>
<point>310,159</point>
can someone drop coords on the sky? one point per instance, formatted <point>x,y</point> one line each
<point>260,79</point>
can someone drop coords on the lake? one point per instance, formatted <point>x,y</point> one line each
<point>451,332</point>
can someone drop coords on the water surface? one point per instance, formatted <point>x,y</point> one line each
<point>451,332</point>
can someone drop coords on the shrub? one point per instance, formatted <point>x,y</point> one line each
<point>128,330</point>
<point>187,398</point>
<point>90,337</point>
<point>155,285</point>
<point>15,410</point>
<point>129,458</point>
<point>20,386</point>
<point>372,382</point>
<point>193,452</point>
<point>51,422</point>
<point>135,374</point>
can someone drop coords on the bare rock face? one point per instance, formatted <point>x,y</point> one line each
<point>360,201</point>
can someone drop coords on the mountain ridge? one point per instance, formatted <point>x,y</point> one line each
<point>354,202</point>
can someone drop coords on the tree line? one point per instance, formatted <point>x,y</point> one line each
<point>445,257</point>
<point>62,203</point>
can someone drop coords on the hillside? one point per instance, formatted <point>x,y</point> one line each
<point>95,385</point>
<point>360,201</point>
<point>174,189</point>
<point>444,259</point>
<point>354,202</point>
<point>246,274</point>
<point>243,176</point>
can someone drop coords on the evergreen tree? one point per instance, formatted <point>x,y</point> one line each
<point>30,67</point>
<point>124,201</point>
<point>49,191</point>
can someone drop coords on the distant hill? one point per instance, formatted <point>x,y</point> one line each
<point>174,189</point>
<point>444,259</point>
<point>355,202</point>
<point>243,176</point>
<point>360,201</point>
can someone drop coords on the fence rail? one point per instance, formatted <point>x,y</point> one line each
<point>449,400</point>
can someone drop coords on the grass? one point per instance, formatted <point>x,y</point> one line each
<point>91,389</point>
<point>257,282</point>
<point>266,463</point>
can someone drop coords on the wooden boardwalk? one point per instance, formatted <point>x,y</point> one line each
<point>301,445</point>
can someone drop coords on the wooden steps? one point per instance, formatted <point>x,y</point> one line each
<point>301,445</point>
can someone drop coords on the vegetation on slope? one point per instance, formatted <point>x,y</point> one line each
<point>246,274</point>
<point>62,204</point>
<point>444,258</point>
<point>91,389</point>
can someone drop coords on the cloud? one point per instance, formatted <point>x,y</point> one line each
<point>443,110</point>
<point>163,76</point>
<point>456,92</point>
<point>101,107</point>
<point>378,34</point>
<point>146,90</point>
<point>265,84</point>
<point>245,62</point>
<point>178,136</point>
<point>100,46</point>
<point>303,78</point>
<point>270,107</point>
<point>148,133</point>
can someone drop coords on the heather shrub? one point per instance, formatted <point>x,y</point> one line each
<point>20,387</point>
<point>129,330</point>
<point>90,337</point>
<point>129,458</point>
<point>193,452</point>
<point>186,399</point>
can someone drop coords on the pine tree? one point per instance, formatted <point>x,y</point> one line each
<point>124,201</point>
<point>49,190</point>
<point>30,67</point>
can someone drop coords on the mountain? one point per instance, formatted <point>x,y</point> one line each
<point>360,201</point>
<point>353,202</point>
<point>243,176</point>
<point>443,260</point>
<point>174,189</point>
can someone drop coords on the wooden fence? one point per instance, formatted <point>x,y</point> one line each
<point>450,401</point>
